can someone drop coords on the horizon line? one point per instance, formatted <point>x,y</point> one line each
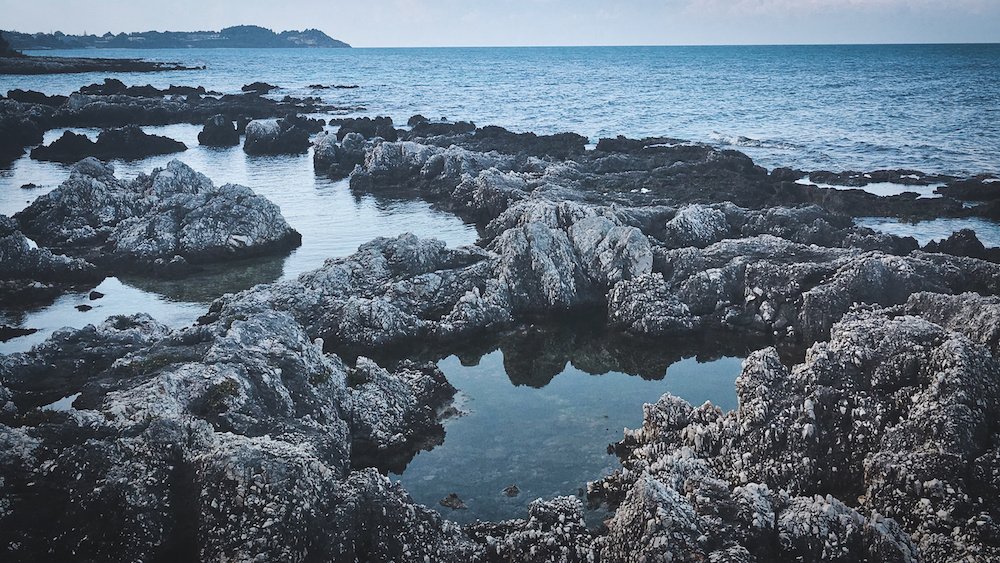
<point>562,46</point>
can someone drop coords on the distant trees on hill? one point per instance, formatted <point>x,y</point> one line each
<point>246,36</point>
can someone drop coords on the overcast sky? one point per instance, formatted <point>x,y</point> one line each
<point>390,23</point>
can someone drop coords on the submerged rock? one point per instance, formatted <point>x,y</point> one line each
<point>128,143</point>
<point>172,212</point>
<point>453,502</point>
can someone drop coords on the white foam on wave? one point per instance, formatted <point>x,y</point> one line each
<point>749,142</point>
<point>883,189</point>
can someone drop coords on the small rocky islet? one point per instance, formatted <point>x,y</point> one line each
<point>866,425</point>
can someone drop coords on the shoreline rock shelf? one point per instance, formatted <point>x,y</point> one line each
<point>257,440</point>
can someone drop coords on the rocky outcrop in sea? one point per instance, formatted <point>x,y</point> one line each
<point>866,421</point>
<point>165,221</point>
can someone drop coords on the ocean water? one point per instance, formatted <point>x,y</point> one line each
<point>548,439</point>
<point>930,107</point>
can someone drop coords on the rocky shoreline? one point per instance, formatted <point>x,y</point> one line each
<point>25,64</point>
<point>866,428</point>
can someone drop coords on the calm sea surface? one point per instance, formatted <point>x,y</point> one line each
<point>932,108</point>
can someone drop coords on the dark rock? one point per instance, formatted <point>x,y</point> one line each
<point>276,136</point>
<point>11,332</point>
<point>29,186</point>
<point>119,110</point>
<point>110,87</point>
<point>21,126</point>
<point>259,88</point>
<point>437,128</point>
<point>367,128</point>
<point>415,119</point>
<point>174,211</point>
<point>622,144</point>
<point>113,87</point>
<point>453,502</point>
<point>128,143</point>
<point>33,65</point>
<point>219,131</point>
<point>95,295</point>
<point>978,188</point>
<point>964,243</point>
<point>338,160</point>
<point>33,97</point>
<point>83,308</point>
<point>860,179</point>
<point>511,491</point>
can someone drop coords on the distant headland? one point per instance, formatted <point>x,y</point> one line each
<point>242,36</point>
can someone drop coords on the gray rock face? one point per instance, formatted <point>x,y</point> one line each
<point>238,427</point>
<point>338,160</point>
<point>174,211</point>
<point>893,411</point>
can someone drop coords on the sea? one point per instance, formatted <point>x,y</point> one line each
<point>934,108</point>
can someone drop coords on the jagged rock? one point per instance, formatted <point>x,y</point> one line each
<point>174,211</point>
<point>338,160</point>
<point>453,502</point>
<point>393,414</point>
<point>219,131</point>
<point>893,411</point>
<point>275,136</point>
<point>243,431</point>
<point>964,243</point>
<point>21,126</point>
<point>427,128</point>
<point>128,143</point>
<point>554,531</point>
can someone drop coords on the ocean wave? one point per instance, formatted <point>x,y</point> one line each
<point>741,141</point>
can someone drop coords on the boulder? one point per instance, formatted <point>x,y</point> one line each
<point>275,136</point>
<point>219,131</point>
<point>172,212</point>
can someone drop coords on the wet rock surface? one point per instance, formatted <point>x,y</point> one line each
<point>171,217</point>
<point>127,143</point>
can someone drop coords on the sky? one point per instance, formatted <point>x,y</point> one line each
<point>433,23</point>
